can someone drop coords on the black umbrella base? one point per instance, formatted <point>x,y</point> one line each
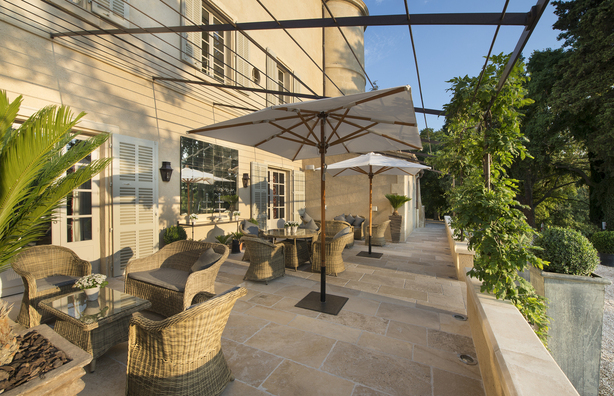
<point>371,255</point>
<point>332,306</point>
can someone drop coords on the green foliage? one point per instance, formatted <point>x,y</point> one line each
<point>35,174</point>
<point>483,129</point>
<point>603,241</point>
<point>174,234</point>
<point>396,200</point>
<point>224,239</point>
<point>434,186</point>
<point>567,251</point>
<point>253,221</point>
<point>237,235</point>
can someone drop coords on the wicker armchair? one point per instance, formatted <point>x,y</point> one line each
<point>173,263</point>
<point>182,354</point>
<point>47,271</point>
<point>243,229</point>
<point>267,260</point>
<point>379,233</point>
<point>359,232</point>
<point>334,226</point>
<point>334,254</point>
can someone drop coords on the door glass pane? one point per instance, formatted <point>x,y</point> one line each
<point>79,203</point>
<point>78,230</point>
<point>278,197</point>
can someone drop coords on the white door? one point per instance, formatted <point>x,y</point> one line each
<point>77,225</point>
<point>135,200</point>
<point>278,198</point>
<point>259,193</point>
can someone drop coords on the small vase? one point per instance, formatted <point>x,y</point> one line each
<point>92,294</point>
<point>294,230</point>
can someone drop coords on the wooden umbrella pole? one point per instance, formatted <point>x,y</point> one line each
<point>370,206</point>
<point>322,117</point>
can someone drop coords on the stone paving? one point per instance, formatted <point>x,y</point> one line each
<point>396,335</point>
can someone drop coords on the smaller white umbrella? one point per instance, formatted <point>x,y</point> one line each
<point>372,164</point>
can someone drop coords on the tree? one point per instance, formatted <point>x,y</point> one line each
<point>482,140</point>
<point>35,173</point>
<point>434,185</point>
<point>585,92</point>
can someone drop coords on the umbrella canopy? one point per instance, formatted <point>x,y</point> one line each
<point>372,164</point>
<point>382,120</point>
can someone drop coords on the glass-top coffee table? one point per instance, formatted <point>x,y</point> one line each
<point>94,326</point>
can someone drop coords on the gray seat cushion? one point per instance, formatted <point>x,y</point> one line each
<point>309,226</point>
<point>343,232</point>
<point>306,218</point>
<point>206,260</point>
<point>251,228</point>
<point>340,217</point>
<point>168,278</point>
<point>53,281</point>
<point>358,221</point>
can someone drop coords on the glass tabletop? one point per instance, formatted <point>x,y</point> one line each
<point>110,302</point>
<point>285,233</point>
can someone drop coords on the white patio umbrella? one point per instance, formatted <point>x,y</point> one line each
<point>382,120</point>
<point>372,164</point>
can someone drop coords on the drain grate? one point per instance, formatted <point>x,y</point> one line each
<point>460,317</point>
<point>467,360</point>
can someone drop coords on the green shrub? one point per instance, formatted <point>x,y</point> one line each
<point>603,241</point>
<point>568,252</point>
<point>174,234</point>
<point>224,239</point>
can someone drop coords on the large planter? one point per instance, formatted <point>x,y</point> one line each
<point>575,307</point>
<point>607,259</point>
<point>64,380</point>
<point>396,222</point>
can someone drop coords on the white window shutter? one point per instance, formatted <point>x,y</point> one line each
<point>271,80</point>
<point>116,11</point>
<point>298,187</point>
<point>242,60</point>
<point>296,88</point>
<point>191,42</point>
<point>135,200</point>
<point>260,193</point>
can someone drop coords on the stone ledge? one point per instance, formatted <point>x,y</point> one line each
<point>462,256</point>
<point>513,361</point>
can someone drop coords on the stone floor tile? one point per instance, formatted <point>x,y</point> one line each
<point>450,342</point>
<point>272,315</point>
<point>356,320</point>
<point>330,280</point>
<point>336,290</point>
<point>409,315</point>
<point>402,292</point>
<point>387,345</point>
<point>451,325</point>
<point>238,388</point>
<point>450,384</point>
<point>385,373</point>
<point>445,360</point>
<point>351,274</point>
<point>297,292</point>
<point>262,287</point>
<point>449,301</point>
<point>363,268</point>
<point>265,299</point>
<point>230,279</point>
<point>327,329</point>
<point>249,365</point>
<point>240,327</point>
<point>361,390</point>
<point>361,305</point>
<point>383,280</point>
<point>429,287</point>
<point>407,332</point>
<point>98,383</point>
<point>241,306</point>
<point>301,346</point>
<point>362,286</point>
<point>288,305</point>
<point>293,379</point>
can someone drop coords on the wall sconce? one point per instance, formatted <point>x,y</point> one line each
<point>375,208</point>
<point>166,171</point>
<point>245,180</point>
<point>310,167</point>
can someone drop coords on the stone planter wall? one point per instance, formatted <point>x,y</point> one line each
<point>64,380</point>
<point>396,223</point>
<point>462,256</point>
<point>512,359</point>
<point>575,308</point>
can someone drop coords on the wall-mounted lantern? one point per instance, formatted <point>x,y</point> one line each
<point>245,180</point>
<point>166,171</point>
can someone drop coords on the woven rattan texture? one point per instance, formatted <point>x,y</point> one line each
<point>334,226</point>
<point>266,259</point>
<point>39,262</point>
<point>179,255</point>
<point>379,234</point>
<point>333,253</point>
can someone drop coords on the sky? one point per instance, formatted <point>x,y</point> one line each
<point>443,52</point>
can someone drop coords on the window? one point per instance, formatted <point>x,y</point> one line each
<point>213,50</point>
<point>279,78</point>
<point>113,10</point>
<point>277,189</point>
<point>208,171</point>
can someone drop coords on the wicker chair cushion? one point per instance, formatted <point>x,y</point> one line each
<point>343,232</point>
<point>53,281</point>
<point>306,218</point>
<point>358,221</point>
<point>251,228</point>
<point>340,217</point>
<point>168,278</point>
<point>309,226</point>
<point>350,219</point>
<point>206,260</point>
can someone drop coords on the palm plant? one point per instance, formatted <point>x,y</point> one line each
<point>35,174</point>
<point>396,201</point>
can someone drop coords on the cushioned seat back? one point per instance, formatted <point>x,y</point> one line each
<point>182,254</point>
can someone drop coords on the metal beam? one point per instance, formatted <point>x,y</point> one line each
<point>494,19</point>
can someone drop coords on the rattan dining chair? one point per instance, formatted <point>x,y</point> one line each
<point>379,234</point>
<point>334,226</point>
<point>166,278</point>
<point>46,271</point>
<point>267,259</point>
<point>182,354</point>
<point>333,251</point>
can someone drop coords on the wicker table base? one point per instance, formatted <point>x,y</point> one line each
<point>94,332</point>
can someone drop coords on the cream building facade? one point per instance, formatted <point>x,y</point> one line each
<point>134,86</point>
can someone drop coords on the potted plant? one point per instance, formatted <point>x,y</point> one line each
<point>236,242</point>
<point>91,285</point>
<point>224,239</point>
<point>236,214</point>
<point>174,234</point>
<point>603,241</point>
<point>575,299</point>
<point>193,218</point>
<point>231,200</point>
<point>396,220</point>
